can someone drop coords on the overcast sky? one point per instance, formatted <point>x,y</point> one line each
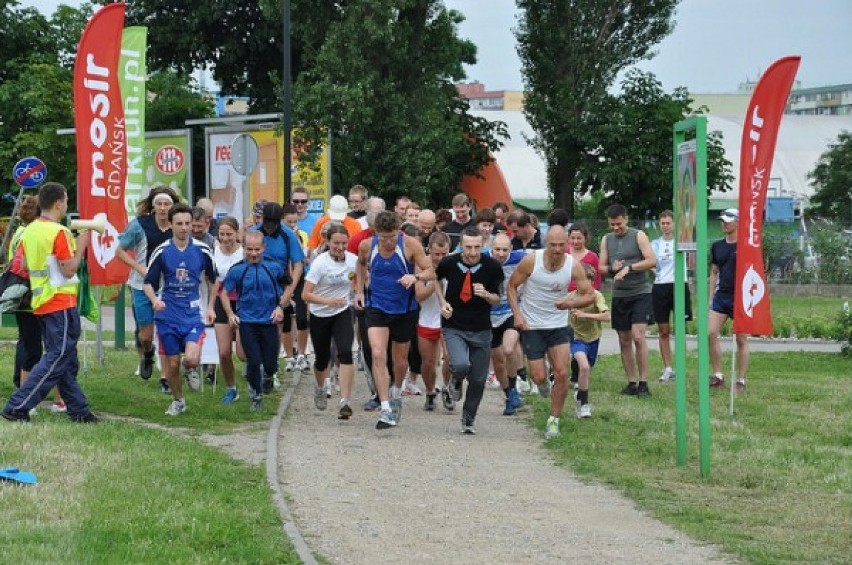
<point>716,44</point>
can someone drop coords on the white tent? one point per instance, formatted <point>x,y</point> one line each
<point>801,141</point>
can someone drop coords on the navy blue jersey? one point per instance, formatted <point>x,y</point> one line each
<point>259,287</point>
<point>724,256</point>
<point>178,276</point>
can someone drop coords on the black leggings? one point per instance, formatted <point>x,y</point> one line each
<point>301,310</point>
<point>324,330</point>
<point>260,343</point>
<point>28,349</point>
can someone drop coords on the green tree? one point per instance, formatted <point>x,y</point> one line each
<point>571,52</point>
<point>383,85</point>
<point>832,181</point>
<point>635,147</point>
<point>35,91</point>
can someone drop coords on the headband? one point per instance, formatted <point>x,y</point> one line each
<point>162,196</point>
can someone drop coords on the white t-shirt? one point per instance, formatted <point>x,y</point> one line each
<point>224,262</point>
<point>664,249</point>
<point>331,279</point>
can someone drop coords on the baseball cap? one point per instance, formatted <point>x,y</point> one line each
<point>257,211</point>
<point>272,212</point>
<point>337,207</point>
<point>730,215</point>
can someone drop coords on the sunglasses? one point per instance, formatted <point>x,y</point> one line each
<point>299,201</point>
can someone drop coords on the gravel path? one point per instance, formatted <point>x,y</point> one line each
<point>423,493</point>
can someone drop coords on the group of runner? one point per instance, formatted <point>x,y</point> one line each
<point>473,295</point>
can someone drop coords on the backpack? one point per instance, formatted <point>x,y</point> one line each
<point>15,292</point>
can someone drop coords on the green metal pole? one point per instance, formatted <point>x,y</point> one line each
<point>702,303</point>
<point>119,319</point>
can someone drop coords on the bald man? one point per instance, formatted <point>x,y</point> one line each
<point>542,317</point>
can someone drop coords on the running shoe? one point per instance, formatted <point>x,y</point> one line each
<point>642,390</point>
<point>544,388</point>
<point>17,415</point>
<point>492,382</point>
<point>302,363</point>
<point>290,366</point>
<point>447,399</point>
<point>210,377</point>
<point>456,387</point>
<point>468,428</point>
<point>146,368</point>
<point>231,396</point>
<point>552,428</point>
<point>164,387</point>
<point>327,386</point>
<point>510,409</point>
<point>372,405</point>
<point>410,388</point>
<point>192,380</point>
<point>176,407</point>
<point>630,389</point>
<point>345,411</point>
<point>522,386</point>
<point>585,411</point>
<point>668,375</point>
<point>88,418</point>
<point>58,407</point>
<point>429,405</point>
<point>256,403</point>
<point>740,385</point>
<point>276,384</point>
<point>396,409</point>
<point>516,399</point>
<point>385,420</point>
<point>533,388</point>
<point>717,380</point>
<point>320,400</point>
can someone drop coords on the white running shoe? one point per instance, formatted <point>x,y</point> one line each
<point>276,384</point>
<point>302,363</point>
<point>586,411</point>
<point>176,407</point>
<point>410,388</point>
<point>492,382</point>
<point>522,386</point>
<point>533,388</point>
<point>668,375</point>
<point>327,386</point>
<point>290,366</point>
<point>192,380</point>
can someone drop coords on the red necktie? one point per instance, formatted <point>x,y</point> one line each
<point>467,288</point>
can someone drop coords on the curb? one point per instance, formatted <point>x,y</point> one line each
<point>289,524</point>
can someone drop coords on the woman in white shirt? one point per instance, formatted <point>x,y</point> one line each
<point>226,254</point>
<point>329,286</point>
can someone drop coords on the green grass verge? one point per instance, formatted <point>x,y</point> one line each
<point>119,492</point>
<point>780,489</point>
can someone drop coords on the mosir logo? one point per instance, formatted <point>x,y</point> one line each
<point>169,160</point>
<point>753,290</point>
<point>104,244</point>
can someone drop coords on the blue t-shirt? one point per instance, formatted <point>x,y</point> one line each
<point>501,312</point>
<point>307,223</point>
<point>259,287</point>
<point>178,275</point>
<point>283,246</point>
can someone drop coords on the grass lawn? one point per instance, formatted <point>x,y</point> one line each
<point>119,492</point>
<point>780,489</point>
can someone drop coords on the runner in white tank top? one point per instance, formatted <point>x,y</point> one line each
<point>541,315</point>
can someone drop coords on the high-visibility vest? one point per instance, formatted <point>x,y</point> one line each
<point>37,240</point>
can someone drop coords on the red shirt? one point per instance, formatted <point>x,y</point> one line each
<point>355,240</point>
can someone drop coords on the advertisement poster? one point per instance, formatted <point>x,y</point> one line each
<point>131,77</point>
<point>687,205</point>
<point>234,194</point>
<point>167,157</point>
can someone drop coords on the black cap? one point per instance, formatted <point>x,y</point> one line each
<point>272,212</point>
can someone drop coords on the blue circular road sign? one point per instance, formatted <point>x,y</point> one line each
<point>29,172</point>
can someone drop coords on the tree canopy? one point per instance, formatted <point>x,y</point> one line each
<point>571,53</point>
<point>832,181</point>
<point>376,75</point>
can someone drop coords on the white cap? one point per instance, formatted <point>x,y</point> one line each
<point>337,207</point>
<point>730,215</point>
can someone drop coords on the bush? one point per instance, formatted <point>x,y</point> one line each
<point>842,330</point>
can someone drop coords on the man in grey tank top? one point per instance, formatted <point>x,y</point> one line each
<point>627,256</point>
